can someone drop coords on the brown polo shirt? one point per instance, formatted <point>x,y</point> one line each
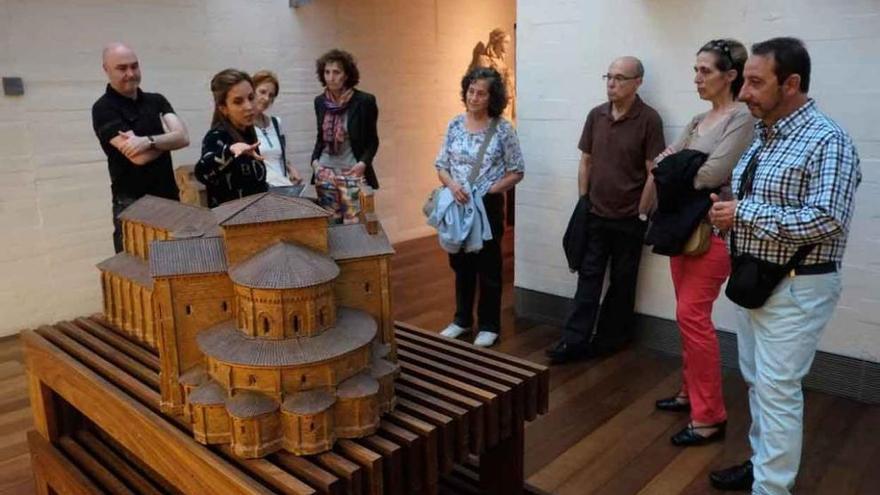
<point>618,151</point>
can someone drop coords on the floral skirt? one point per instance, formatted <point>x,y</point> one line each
<point>340,194</point>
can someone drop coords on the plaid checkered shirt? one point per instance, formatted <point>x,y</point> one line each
<point>802,192</point>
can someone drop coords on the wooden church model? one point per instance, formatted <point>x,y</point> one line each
<point>273,329</point>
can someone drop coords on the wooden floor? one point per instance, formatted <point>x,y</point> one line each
<point>601,435</point>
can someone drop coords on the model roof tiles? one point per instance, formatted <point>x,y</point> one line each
<point>172,216</point>
<point>309,402</point>
<point>358,386</point>
<point>266,207</point>
<point>285,266</point>
<point>195,376</point>
<point>187,257</point>
<point>129,267</point>
<point>382,368</point>
<point>224,342</point>
<point>380,350</point>
<point>353,241</point>
<point>210,393</point>
<point>248,404</point>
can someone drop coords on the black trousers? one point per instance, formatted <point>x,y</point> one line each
<point>617,242</point>
<point>483,266</point>
<point>119,203</point>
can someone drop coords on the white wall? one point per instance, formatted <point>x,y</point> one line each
<point>54,188</point>
<point>564,49</point>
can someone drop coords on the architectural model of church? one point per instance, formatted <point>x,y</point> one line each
<point>273,329</point>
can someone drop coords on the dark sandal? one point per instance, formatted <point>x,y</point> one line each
<point>688,437</point>
<point>674,404</point>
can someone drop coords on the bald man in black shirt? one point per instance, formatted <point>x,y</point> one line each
<point>137,132</point>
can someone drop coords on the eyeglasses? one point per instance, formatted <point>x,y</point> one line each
<point>617,78</point>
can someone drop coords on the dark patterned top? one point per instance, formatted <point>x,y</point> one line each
<point>225,176</point>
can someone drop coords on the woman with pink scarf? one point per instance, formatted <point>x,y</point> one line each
<point>347,139</point>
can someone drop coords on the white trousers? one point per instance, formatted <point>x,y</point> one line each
<point>777,343</point>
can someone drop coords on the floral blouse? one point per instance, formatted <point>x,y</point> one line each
<point>461,147</point>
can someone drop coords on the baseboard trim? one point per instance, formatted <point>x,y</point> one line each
<point>831,373</point>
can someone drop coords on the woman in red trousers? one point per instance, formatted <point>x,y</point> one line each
<point>723,133</point>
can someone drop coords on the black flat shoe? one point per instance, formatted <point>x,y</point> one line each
<point>689,437</point>
<point>563,352</point>
<point>736,478</point>
<point>674,404</point>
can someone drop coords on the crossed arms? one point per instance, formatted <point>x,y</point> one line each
<point>137,148</point>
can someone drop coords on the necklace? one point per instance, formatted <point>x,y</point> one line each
<point>266,134</point>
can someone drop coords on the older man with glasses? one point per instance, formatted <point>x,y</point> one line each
<point>618,142</point>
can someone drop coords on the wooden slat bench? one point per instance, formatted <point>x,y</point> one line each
<point>457,428</point>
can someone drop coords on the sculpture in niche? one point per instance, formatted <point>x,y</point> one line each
<point>273,329</point>
<point>494,55</point>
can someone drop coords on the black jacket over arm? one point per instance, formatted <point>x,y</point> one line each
<point>363,114</point>
<point>680,207</point>
<point>574,242</point>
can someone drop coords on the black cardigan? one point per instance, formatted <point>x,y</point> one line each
<point>362,117</point>
<point>680,207</point>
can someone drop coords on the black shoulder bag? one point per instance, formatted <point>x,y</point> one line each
<point>752,279</point>
<point>282,140</point>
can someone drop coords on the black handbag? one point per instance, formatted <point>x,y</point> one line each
<point>752,280</point>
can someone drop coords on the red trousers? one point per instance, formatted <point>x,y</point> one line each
<point>697,281</point>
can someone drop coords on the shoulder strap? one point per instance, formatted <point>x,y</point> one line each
<point>748,176</point>
<point>475,169</point>
<point>746,182</point>
<point>745,188</point>
<point>282,143</point>
<point>799,256</point>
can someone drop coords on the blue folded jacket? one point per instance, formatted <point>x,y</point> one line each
<point>460,225</point>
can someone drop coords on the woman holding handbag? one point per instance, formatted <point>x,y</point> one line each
<point>347,139</point>
<point>480,159</point>
<point>723,133</point>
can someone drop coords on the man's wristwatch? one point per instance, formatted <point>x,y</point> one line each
<point>152,141</point>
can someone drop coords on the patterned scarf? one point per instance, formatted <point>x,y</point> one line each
<point>333,127</point>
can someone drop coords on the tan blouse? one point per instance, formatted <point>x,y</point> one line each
<point>724,142</point>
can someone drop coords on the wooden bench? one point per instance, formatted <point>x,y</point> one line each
<point>457,428</point>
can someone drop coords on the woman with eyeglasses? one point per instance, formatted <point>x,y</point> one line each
<point>280,173</point>
<point>723,133</point>
<point>231,166</point>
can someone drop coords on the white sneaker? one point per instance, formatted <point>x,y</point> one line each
<point>454,331</point>
<point>486,339</point>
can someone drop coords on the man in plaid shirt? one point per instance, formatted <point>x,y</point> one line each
<point>802,193</point>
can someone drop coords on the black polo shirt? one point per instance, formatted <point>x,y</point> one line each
<point>113,113</point>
